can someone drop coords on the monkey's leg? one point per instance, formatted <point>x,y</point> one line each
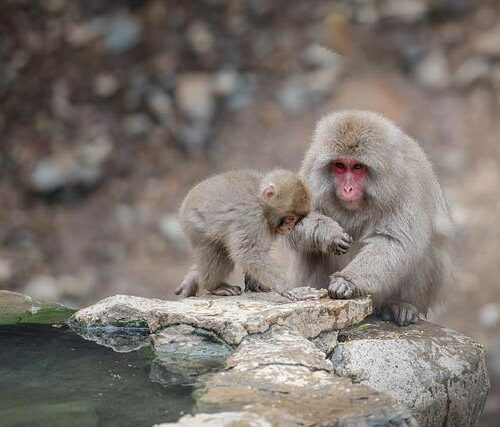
<point>401,313</point>
<point>214,265</point>
<point>189,285</point>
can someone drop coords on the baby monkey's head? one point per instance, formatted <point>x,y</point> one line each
<point>285,198</point>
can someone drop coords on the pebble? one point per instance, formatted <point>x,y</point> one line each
<point>200,37</point>
<point>122,32</point>
<point>488,43</point>
<point>137,124</point>
<point>43,288</point>
<point>6,270</point>
<point>489,315</point>
<point>161,106</point>
<point>105,85</point>
<point>433,72</point>
<point>471,71</point>
<point>83,166</point>
<point>195,95</point>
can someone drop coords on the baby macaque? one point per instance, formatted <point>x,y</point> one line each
<point>233,218</point>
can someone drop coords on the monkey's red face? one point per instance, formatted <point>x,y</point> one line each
<point>349,177</point>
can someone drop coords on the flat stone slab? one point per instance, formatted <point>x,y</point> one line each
<point>438,373</point>
<point>230,318</point>
<point>295,396</point>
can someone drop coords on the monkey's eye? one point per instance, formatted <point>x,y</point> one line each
<point>339,165</point>
<point>358,166</point>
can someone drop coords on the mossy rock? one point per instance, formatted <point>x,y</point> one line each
<point>16,308</point>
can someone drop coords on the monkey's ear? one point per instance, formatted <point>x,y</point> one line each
<point>268,191</point>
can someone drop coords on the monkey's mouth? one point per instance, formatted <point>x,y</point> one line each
<point>351,204</point>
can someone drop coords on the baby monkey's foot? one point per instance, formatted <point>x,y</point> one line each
<point>340,288</point>
<point>253,285</point>
<point>401,313</point>
<point>225,290</point>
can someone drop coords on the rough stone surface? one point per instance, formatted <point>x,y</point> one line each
<point>279,349</point>
<point>222,419</point>
<point>293,395</point>
<point>299,360</point>
<point>230,318</point>
<point>187,351</point>
<point>439,374</point>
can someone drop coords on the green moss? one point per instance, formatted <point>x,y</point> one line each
<point>46,314</point>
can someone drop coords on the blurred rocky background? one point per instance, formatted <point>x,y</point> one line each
<point>110,110</point>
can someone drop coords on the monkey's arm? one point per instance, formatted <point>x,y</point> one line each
<point>319,233</point>
<point>385,258</point>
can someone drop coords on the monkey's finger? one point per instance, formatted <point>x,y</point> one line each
<point>402,319</point>
<point>344,245</point>
<point>347,238</point>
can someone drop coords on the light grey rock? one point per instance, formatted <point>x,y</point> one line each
<point>294,395</point>
<point>282,348</point>
<point>106,85</point>
<point>226,82</point>
<point>43,288</point>
<point>160,105</point>
<point>222,419</point>
<point>13,306</point>
<point>433,71</point>
<point>184,352</point>
<point>488,43</point>
<point>471,71</point>
<point>195,96</point>
<point>6,270</point>
<point>438,374</point>
<point>83,166</point>
<point>404,10</point>
<point>137,124</point>
<point>122,32</point>
<point>489,315</point>
<point>230,318</point>
<point>200,37</point>
<point>326,341</point>
<point>321,57</point>
<point>121,340</point>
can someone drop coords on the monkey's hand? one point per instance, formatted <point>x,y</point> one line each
<point>341,243</point>
<point>341,288</point>
<point>400,313</point>
<point>253,285</point>
<point>317,232</point>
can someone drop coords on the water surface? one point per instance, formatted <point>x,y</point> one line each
<point>52,377</point>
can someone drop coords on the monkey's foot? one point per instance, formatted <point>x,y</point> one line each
<point>188,288</point>
<point>252,285</point>
<point>342,244</point>
<point>225,290</point>
<point>401,313</point>
<point>340,288</point>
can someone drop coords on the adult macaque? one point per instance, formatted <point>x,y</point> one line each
<point>234,218</point>
<point>375,180</point>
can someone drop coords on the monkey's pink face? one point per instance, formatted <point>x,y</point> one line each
<point>349,177</point>
<point>286,226</point>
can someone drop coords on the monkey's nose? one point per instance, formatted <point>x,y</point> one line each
<point>347,190</point>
